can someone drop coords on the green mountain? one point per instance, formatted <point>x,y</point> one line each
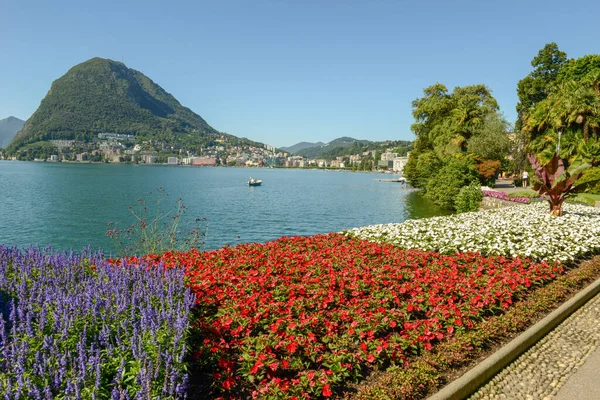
<point>104,96</point>
<point>301,146</point>
<point>346,146</point>
<point>8,129</point>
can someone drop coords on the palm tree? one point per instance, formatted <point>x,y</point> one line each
<point>579,105</point>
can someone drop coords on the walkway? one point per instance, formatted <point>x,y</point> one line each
<point>507,187</point>
<point>563,366</point>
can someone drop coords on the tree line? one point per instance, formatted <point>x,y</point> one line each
<point>463,140</point>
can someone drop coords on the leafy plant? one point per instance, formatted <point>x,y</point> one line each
<point>445,185</point>
<point>156,230</point>
<point>487,171</point>
<point>469,198</point>
<point>555,183</point>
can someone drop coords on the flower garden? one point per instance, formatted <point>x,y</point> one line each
<point>527,231</point>
<point>504,196</point>
<point>78,327</point>
<point>300,317</point>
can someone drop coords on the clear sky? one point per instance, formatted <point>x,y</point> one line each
<point>285,71</point>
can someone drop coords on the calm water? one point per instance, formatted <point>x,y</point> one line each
<point>68,206</point>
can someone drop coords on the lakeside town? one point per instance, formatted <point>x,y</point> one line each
<point>475,274</point>
<point>123,148</point>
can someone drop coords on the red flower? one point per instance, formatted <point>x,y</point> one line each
<point>292,347</point>
<point>305,300</point>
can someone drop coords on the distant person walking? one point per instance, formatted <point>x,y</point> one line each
<point>525,178</point>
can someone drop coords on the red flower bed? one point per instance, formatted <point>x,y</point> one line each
<point>300,317</point>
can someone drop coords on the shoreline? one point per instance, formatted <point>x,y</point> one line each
<point>200,166</point>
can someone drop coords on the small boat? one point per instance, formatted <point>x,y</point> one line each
<point>254,182</point>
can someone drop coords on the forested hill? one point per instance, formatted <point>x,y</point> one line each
<point>102,95</point>
<point>301,146</point>
<point>345,146</point>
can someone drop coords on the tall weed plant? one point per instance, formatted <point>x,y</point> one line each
<point>158,227</point>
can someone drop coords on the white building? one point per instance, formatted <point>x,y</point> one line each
<point>399,164</point>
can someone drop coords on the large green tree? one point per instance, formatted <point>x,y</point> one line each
<point>569,115</point>
<point>490,141</point>
<point>445,125</point>
<point>536,86</point>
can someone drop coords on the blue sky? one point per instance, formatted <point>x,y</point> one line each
<point>281,72</point>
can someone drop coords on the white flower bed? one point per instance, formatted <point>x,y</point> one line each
<point>513,231</point>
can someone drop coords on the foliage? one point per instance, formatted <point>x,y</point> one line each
<point>571,107</point>
<point>526,231</point>
<point>305,316</point>
<point>517,159</point>
<point>487,171</point>
<point>585,69</point>
<point>78,327</point>
<point>421,167</point>
<point>469,198</point>
<point>445,121</point>
<point>348,146</point>
<point>555,183</point>
<point>591,179</point>
<point>445,124</point>
<point>443,187</point>
<point>156,229</point>
<point>39,150</point>
<point>490,142</point>
<point>536,86</point>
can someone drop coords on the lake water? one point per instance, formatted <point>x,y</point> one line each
<point>68,206</point>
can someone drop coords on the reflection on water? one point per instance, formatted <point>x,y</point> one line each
<point>417,206</point>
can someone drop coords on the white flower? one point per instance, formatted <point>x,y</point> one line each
<point>525,230</point>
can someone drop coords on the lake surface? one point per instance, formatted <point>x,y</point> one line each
<point>68,206</point>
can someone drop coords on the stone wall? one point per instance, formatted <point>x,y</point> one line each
<point>492,202</point>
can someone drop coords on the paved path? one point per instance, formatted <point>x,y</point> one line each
<point>564,365</point>
<point>507,187</point>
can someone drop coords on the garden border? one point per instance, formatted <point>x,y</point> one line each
<point>469,382</point>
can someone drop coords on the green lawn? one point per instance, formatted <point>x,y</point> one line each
<point>586,198</point>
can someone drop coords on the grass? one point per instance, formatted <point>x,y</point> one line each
<point>585,198</point>
<point>523,193</point>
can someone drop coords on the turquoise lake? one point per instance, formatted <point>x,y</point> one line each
<point>68,206</point>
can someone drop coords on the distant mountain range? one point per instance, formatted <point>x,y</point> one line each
<point>8,129</point>
<point>104,96</point>
<point>344,146</point>
<point>301,146</point>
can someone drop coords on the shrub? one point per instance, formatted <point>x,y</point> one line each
<point>469,198</point>
<point>421,167</point>
<point>556,183</point>
<point>443,187</point>
<point>487,171</point>
<point>592,175</point>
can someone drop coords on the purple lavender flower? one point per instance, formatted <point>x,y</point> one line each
<point>73,324</point>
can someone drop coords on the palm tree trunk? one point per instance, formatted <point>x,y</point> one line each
<point>586,132</point>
